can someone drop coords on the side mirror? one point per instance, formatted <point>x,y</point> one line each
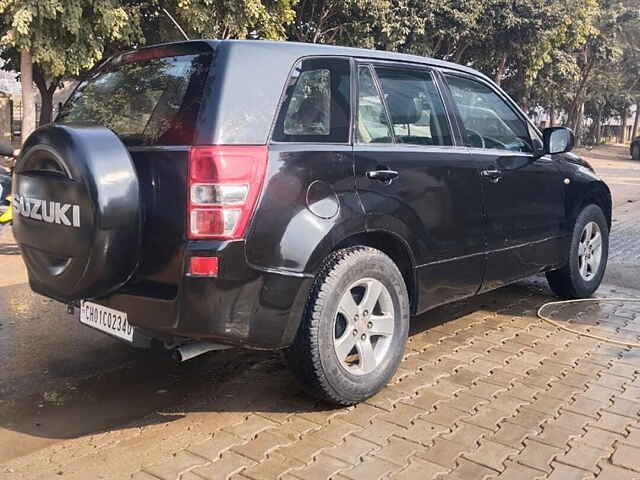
<point>557,140</point>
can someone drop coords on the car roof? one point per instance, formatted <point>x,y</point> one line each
<point>300,49</point>
<point>244,89</point>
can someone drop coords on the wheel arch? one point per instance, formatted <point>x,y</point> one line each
<point>596,193</point>
<point>396,248</point>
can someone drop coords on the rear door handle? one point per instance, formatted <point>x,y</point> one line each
<point>494,175</point>
<point>382,175</point>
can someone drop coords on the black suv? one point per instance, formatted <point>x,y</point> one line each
<point>634,149</point>
<point>301,197</point>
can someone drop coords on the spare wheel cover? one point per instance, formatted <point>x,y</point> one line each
<point>77,211</point>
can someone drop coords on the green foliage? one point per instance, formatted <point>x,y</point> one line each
<point>563,54</point>
<point>230,18</point>
<point>66,37</point>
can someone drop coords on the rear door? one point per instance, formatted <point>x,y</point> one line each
<point>414,180</point>
<point>151,98</point>
<point>523,193</point>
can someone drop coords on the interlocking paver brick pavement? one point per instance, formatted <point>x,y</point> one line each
<point>627,456</point>
<point>398,451</point>
<point>583,456</point>
<point>352,450</point>
<point>556,436</point>
<point>491,454</point>
<point>487,395</point>
<point>177,465</point>
<point>420,469</point>
<point>538,455</point>
<point>467,470</point>
<point>517,471</point>
<point>608,470</point>
<point>512,435</point>
<point>270,468</point>
<point>371,468</point>
<point>323,467</point>
<point>223,468</point>
<point>567,472</point>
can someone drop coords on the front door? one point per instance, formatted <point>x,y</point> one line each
<point>523,194</point>
<point>413,180</point>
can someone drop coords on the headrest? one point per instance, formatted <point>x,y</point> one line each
<point>402,109</point>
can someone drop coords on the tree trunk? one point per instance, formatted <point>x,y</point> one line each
<point>552,115</point>
<point>577,125</point>
<point>46,94</point>
<point>598,129</point>
<point>28,100</point>
<point>501,69</point>
<point>577,105</point>
<point>623,125</point>
<point>634,133</point>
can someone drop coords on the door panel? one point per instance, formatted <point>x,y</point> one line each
<point>523,195</point>
<point>435,200</point>
<point>525,215</point>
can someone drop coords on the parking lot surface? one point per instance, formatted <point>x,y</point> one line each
<point>486,390</point>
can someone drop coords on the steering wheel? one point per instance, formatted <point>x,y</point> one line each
<point>495,143</point>
<point>475,138</point>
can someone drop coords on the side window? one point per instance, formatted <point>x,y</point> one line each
<point>316,104</point>
<point>373,125</point>
<point>488,121</point>
<point>415,106</point>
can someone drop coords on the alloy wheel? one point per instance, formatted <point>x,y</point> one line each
<point>590,251</point>
<point>364,326</point>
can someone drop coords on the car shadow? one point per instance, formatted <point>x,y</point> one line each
<point>108,385</point>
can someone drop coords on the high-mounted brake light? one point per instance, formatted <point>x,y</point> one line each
<point>224,185</point>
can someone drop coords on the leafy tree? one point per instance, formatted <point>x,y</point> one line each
<point>341,22</point>
<point>217,19</point>
<point>54,39</point>
<point>57,39</point>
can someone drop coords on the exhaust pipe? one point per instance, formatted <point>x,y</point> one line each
<point>190,350</point>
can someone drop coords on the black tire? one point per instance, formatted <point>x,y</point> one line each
<point>635,152</point>
<point>567,282</point>
<point>312,357</point>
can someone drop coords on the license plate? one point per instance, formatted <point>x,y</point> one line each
<point>106,319</point>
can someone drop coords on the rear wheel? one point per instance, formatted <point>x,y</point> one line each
<point>588,255</point>
<point>354,327</point>
<point>635,152</point>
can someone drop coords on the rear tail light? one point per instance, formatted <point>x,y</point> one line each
<point>224,185</point>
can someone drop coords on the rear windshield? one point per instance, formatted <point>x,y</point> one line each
<point>146,98</point>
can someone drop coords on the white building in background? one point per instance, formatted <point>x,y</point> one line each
<point>9,83</point>
<point>611,126</point>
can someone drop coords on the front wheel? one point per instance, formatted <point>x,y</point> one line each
<point>354,329</point>
<point>589,251</point>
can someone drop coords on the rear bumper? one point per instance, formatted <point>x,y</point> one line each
<point>243,306</point>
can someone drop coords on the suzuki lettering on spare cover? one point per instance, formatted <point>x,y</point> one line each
<point>47,211</point>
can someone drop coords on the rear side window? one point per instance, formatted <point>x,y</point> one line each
<point>373,124</point>
<point>316,103</point>
<point>415,107</point>
<point>146,98</point>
